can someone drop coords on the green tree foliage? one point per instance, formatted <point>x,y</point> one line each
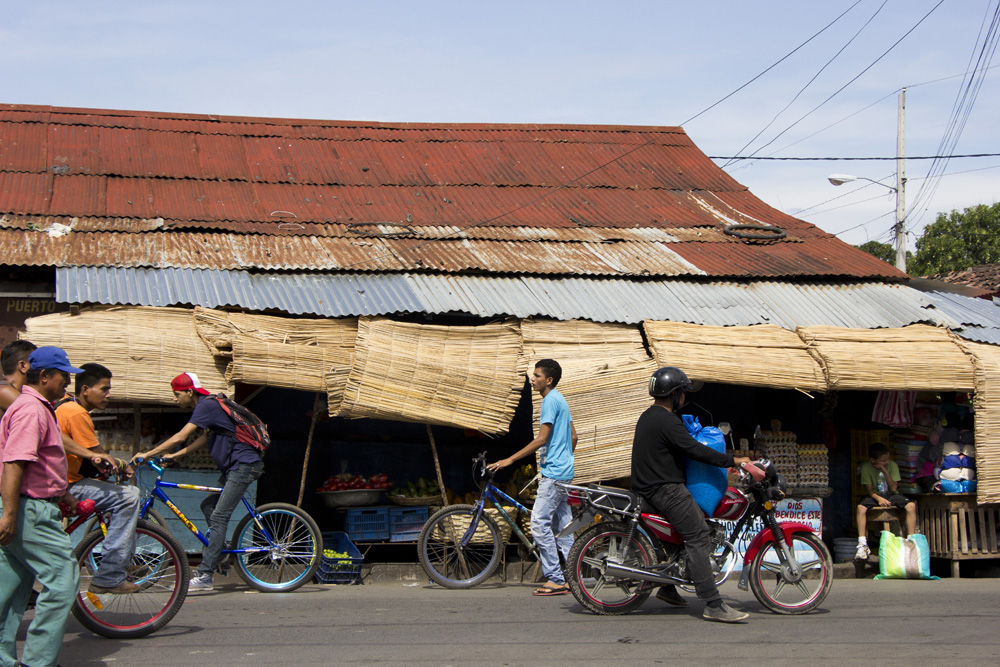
<point>883,251</point>
<point>958,240</point>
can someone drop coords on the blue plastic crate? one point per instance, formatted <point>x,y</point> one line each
<point>339,570</point>
<point>405,523</point>
<point>367,523</point>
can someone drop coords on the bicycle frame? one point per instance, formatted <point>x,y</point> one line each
<point>490,493</point>
<point>156,493</point>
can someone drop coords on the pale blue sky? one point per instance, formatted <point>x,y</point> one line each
<point>642,63</point>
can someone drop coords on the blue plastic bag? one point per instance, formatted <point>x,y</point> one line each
<point>707,483</point>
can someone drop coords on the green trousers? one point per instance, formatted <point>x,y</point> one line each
<point>41,550</point>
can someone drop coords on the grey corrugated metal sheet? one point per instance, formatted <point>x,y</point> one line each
<point>867,305</point>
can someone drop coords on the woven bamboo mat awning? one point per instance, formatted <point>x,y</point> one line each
<point>605,382</point>
<point>467,377</point>
<point>910,358</point>
<point>761,356</point>
<point>303,367</point>
<point>986,403</point>
<point>143,347</point>
<point>219,329</point>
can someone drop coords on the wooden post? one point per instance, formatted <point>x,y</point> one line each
<point>136,428</point>
<point>309,442</point>
<point>437,467</point>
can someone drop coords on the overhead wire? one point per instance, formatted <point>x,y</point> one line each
<point>982,55</point>
<point>853,79</point>
<point>810,82</point>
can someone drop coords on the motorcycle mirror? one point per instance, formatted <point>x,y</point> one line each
<point>725,428</point>
<point>756,432</point>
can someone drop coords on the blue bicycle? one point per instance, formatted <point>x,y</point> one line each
<point>460,546</point>
<point>276,547</point>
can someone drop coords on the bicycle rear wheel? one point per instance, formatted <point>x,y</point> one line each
<point>287,546</point>
<point>160,568</point>
<point>445,558</point>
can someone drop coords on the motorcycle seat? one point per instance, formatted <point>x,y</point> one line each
<point>617,501</point>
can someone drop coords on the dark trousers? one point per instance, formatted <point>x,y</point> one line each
<point>675,504</point>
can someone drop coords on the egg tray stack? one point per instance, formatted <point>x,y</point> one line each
<point>780,447</point>
<point>814,466</point>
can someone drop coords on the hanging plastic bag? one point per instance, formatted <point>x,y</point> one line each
<point>903,559</point>
<point>707,483</point>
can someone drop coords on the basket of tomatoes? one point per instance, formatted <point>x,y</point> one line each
<point>347,490</point>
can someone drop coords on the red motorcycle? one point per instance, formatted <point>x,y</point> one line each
<point>616,563</point>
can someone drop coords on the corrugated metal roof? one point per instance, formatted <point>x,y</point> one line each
<point>238,251</point>
<point>864,305</point>
<point>128,171</point>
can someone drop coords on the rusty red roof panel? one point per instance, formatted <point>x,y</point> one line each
<point>269,188</point>
<point>819,257</point>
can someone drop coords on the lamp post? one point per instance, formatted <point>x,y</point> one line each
<point>900,189</point>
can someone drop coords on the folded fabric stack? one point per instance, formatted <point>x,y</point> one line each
<point>958,467</point>
<point>907,445</point>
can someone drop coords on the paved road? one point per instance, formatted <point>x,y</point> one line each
<point>411,623</point>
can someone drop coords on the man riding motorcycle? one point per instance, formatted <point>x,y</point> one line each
<point>659,450</point>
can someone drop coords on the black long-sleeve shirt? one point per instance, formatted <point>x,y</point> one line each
<point>660,447</point>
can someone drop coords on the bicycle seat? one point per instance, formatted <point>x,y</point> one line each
<point>615,497</point>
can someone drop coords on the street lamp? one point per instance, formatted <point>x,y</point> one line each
<point>900,189</point>
<point>840,179</point>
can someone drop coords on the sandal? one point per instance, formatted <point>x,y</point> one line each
<point>546,590</point>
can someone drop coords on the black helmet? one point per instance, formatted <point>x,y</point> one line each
<point>666,380</point>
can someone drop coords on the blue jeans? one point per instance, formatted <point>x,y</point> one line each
<point>122,503</point>
<point>41,550</point>
<point>218,508</point>
<point>551,514</point>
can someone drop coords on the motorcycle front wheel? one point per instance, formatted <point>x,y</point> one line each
<point>600,593</point>
<point>773,584</point>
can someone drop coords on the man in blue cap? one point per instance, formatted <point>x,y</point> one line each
<point>33,544</point>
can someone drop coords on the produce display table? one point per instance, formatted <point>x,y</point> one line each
<point>958,528</point>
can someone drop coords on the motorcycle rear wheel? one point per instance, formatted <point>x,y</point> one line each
<point>774,591</point>
<point>585,569</point>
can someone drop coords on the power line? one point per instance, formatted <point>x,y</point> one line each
<point>775,64</point>
<point>806,159</point>
<point>855,78</point>
<point>810,82</point>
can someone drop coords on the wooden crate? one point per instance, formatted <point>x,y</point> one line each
<point>958,528</point>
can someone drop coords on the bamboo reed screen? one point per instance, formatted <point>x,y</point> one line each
<point>914,357</point>
<point>605,381</point>
<point>143,347</point>
<point>986,403</point>
<point>294,345</point>
<point>467,377</point>
<point>303,367</point>
<point>762,355</point>
<point>219,329</point>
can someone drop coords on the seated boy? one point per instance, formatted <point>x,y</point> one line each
<point>880,477</point>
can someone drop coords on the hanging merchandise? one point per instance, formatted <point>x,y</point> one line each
<point>894,408</point>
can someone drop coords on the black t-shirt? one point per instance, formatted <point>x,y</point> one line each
<point>660,447</point>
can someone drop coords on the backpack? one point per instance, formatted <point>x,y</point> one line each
<point>250,430</point>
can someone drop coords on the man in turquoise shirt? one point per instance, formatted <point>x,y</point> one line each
<point>555,443</point>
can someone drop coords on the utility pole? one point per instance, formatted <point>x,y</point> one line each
<point>901,184</point>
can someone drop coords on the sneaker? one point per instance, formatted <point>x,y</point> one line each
<point>724,614</point>
<point>123,588</point>
<point>863,552</point>
<point>201,582</point>
<point>670,595</point>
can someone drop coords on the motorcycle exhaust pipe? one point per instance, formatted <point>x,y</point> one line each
<point>612,569</point>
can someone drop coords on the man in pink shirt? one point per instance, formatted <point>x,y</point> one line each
<point>33,544</point>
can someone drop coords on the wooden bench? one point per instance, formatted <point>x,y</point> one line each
<point>958,528</point>
<point>886,516</point>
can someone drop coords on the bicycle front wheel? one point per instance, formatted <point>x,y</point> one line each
<point>283,551</point>
<point>456,554</point>
<point>159,567</point>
